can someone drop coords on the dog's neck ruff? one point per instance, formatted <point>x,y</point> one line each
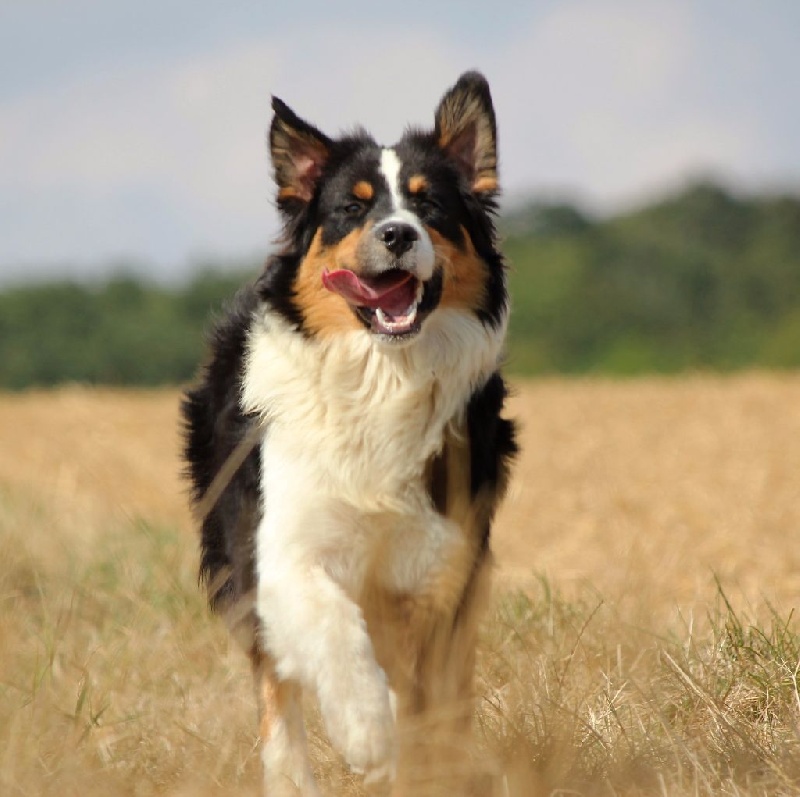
<point>367,416</point>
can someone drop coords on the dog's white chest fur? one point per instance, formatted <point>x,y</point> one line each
<point>350,428</point>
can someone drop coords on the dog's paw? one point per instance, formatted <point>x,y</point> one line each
<point>359,718</point>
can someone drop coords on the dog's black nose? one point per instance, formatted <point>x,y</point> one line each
<point>397,237</point>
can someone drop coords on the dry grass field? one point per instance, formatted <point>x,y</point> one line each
<point>641,638</point>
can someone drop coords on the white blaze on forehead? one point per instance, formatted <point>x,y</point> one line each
<point>423,255</point>
<point>390,168</point>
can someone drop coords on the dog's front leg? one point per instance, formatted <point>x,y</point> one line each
<point>287,770</point>
<point>317,635</point>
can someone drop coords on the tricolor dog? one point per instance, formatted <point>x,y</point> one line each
<point>346,442</point>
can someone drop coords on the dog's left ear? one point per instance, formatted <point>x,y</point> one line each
<point>467,132</point>
<point>299,153</point>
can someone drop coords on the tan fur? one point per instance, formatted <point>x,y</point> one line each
<point>289,192</point>
<point>465,273</point>
<point>326,313</point>
<point>485,184</point>
<point>270,695</point>
<point>426,641</point>
<point>438,739</point>
<point>363,190</point>
<point>417,183</point>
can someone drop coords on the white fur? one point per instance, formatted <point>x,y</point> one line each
<point>390,168</point>
<point>425,256</point>
<point>351,425</point>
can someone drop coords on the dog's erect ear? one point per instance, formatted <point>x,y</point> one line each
<point>467,132</point>
<point>299,152</point>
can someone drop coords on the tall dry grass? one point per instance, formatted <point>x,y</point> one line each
<point>641,639</point>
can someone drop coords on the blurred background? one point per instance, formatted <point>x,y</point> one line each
<point>649,159</point>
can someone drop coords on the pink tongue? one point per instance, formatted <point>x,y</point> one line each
<point>393,292</point>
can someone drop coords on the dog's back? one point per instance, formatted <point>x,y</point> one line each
<point>346,444</point>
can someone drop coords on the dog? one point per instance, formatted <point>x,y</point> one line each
<point>346,442</point>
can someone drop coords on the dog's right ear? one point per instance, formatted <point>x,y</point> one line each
<point>299,152</point>
<point>467,132</point>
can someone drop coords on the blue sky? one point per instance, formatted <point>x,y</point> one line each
<point>134,131</point>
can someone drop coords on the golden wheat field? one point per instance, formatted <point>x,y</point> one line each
<point>640,641</point>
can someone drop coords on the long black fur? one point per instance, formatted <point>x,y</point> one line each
<point>214,426</point>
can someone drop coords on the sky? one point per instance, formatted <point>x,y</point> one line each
<point>132,134</point>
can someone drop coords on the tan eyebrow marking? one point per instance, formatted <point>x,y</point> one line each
<point>363,190</point>
<point>417,183</point>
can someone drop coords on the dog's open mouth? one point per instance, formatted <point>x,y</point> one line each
<point>387,302</point>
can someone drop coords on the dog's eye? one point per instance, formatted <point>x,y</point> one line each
<point>426,205</point>
<point>353,209</point>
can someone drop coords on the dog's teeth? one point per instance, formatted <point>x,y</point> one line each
<point>401,322</point>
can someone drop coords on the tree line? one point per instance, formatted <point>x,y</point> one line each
<point>703,279</point>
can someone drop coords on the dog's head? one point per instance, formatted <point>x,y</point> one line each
<point>378,237</point>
